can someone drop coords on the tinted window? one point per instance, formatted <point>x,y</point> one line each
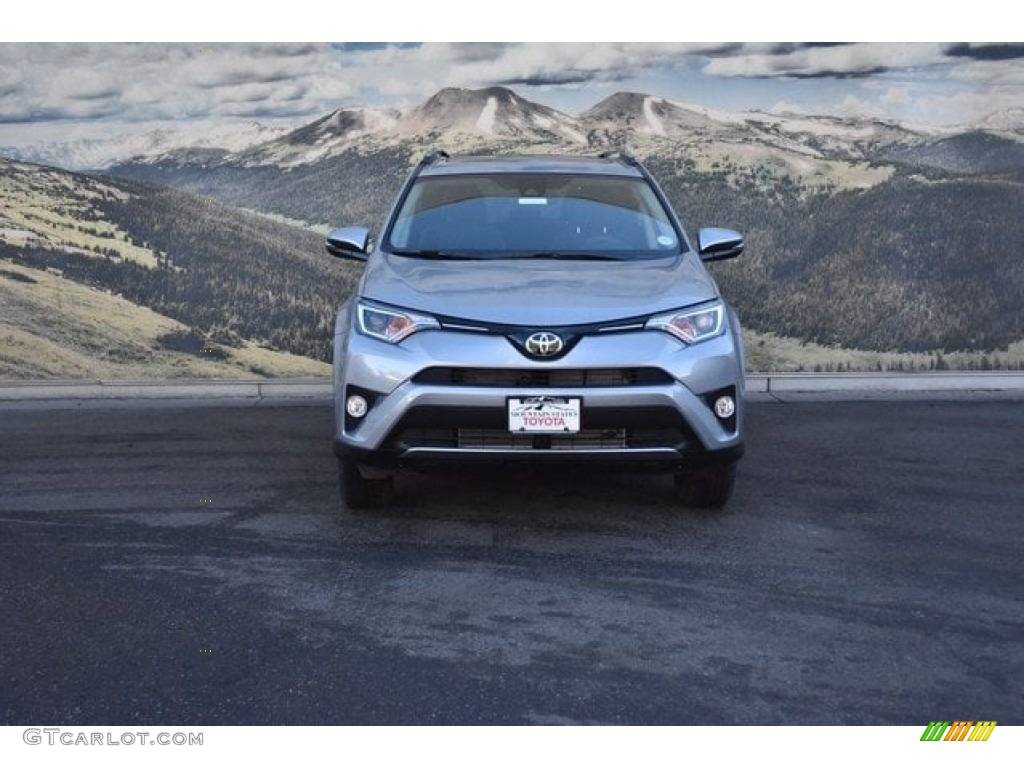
<point>532,213</point>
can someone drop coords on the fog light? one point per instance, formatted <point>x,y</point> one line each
<point>725,407</point>
<point>356,406</point>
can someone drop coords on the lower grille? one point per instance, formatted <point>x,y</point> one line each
<point>485,429</point>
<point>476,438</point>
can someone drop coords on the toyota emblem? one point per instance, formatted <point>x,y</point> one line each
<point>544,344</point>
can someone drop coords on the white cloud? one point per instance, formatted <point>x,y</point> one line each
<point>160,80</point>
<point>852,60</point>
<point>991,73</point>
<point>896,96</point>
<point>142,82</point>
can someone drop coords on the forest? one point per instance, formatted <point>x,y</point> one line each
<point>926,260</point>
<point>226,273</point>
<point>915,263</point>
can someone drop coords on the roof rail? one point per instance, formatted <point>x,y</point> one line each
<point>433,156</point>
<point>618,154</point>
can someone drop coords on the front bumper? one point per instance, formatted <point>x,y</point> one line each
<point>660,418</point>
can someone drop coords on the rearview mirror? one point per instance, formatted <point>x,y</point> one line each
<point>716,244</point>
<point>348,242</point>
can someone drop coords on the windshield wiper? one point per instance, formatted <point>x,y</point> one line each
<point>436,254</point>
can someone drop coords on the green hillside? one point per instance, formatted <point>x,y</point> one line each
<point>51,327</point>
<point>894,270</point>
<point>231,280</point>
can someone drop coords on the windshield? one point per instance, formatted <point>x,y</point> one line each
<point>533,215</point>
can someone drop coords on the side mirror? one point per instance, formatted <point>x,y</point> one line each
<point>714,244</point>
<point>349,243</point>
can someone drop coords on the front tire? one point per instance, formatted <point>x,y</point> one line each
<point>363,493</point>
<point>706,487</point>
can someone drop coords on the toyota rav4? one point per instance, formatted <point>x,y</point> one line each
<point>538,308</point>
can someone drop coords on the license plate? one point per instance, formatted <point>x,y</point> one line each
<point>544,414</point>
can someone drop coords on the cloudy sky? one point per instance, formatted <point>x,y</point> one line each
<point>64,91</point>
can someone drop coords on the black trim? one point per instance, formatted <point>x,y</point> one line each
<point>395,458</point>
<point>571,335</point>
<point>371,397</point>
<point>583,329</point>
<point>434,156</point>
<point>543,378</point>
<point>613,325</point>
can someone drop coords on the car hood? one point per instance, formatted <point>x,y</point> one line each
<point>538,291</point>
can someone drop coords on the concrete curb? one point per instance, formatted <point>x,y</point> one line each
<point>184,389</point>
<point>985,381</point>
<point>772,385</point>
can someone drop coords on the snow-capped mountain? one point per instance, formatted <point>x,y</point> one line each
<point>322,138</point>
<point>465,120</point>
<point>1007,121</point>
<point>454,117</point>
<point>633,118</point>
<point>490,113</point>
<point>814,152</point>
<point>639,113</point>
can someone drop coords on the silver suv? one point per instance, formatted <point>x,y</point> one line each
<point>537,308</point>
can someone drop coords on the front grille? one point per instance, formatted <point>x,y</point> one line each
<point>466,428</point>
<point>563,378</point>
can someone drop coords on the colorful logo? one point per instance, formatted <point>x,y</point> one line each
<point>960,730</point>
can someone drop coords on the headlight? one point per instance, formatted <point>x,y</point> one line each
<point>391,325</point>
<point>692,325</point>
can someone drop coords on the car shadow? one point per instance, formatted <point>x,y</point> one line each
<point>571,498</point>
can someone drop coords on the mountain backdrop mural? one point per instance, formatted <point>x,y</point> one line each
<point>872,245</point>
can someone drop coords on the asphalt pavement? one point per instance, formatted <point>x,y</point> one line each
<point>188,563</point>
